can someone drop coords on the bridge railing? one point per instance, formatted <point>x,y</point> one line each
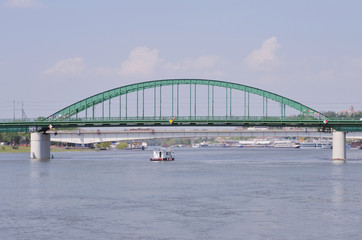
<point>345,118</point>
<point>10,120</point>
<point>186,119</point>
<point>161,118</point>
<point>179,118</point>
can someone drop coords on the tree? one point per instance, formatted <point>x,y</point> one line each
<point>357,115</point>
<point>104,145</point>
<point>330,114</point>
<point>14,138</point>
<point>122,145</point>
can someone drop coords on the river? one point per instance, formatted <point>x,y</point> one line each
<point>204,194</point>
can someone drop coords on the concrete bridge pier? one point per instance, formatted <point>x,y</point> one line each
<point>339,146</point>
<point>40,146</point>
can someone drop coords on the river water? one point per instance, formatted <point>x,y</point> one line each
<point>204,194</point>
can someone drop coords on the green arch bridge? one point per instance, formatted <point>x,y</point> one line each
<point>183,102</point>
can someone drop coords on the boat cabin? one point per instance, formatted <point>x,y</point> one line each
<point>162,155</point>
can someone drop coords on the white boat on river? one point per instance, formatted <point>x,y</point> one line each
<point>162,154</point>
<point>323,144</point>
<point>286,144</point>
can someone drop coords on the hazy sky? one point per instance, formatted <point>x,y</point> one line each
<point>54,53</point>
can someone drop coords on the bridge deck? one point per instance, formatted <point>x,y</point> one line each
<point>31,125</point>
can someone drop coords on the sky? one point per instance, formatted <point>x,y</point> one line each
<point>54,53</point>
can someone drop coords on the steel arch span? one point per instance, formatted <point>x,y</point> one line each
<point>74,109</point>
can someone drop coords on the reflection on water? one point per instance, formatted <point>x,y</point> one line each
<point>39,175</point>
<point>204,194</point>
<point>39,170</point>
<point>338,188</point>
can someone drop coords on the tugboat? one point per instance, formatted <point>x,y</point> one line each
<point>162,155</point>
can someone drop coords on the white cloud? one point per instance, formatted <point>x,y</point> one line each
<point>70,67</point>
<point>141,61</point>
<point>23,3</point>
<point>264,58</point>
<point>200,63</point>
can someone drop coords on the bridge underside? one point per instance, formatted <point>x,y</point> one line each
<point>88,136</point>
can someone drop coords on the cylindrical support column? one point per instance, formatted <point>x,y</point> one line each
<point>339,146</point>
<point>40,146</point>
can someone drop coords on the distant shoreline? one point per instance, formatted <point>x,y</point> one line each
<point>24,149</point>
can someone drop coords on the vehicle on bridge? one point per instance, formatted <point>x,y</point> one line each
<point>162,155</point>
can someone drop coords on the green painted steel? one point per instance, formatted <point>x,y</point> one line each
<point>31,125</point>
<point>64,118</point>
<point>230,102</point>
<point>143,103</point>
<point>120,106</point>
<point>195,102</point>
<point>178,100</point>
<point>226,102</point>
<point>71,110</point>
<point>160,101</point>
<point>208,100</point>
<point>154,102</point>
<point>137,104</point>
<point>213,98</point>
<point>190,98</point>
<point>126,104</point>
<point>109,108</point>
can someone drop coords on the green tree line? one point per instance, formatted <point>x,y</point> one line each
<point>15,138</point>
<point>332,114</point>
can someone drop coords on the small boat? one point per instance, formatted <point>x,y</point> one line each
<point>324,144</point>
<point>356,144</point>
<point>162,155</point>
<point>286,144</point>
<point>204,144</point>
<point>307,145</point>
<point>321,144</point>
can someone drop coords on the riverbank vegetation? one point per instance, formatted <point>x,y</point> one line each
<point>15,138</point>
<point>11,149</point>
<point>122,145</point>
<point>26,149</point>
